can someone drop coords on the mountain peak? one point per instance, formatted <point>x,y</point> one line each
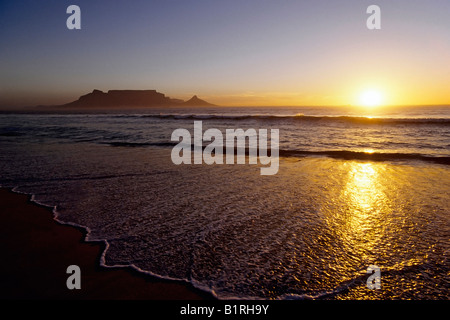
<point>197,102</point>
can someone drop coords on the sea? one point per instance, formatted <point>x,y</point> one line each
<point>356,189</point>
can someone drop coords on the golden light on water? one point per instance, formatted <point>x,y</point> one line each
<point>367,206</point>
<point>358,215</point>
<point>362,188</point>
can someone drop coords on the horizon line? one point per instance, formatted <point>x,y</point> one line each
<point>9,107</point>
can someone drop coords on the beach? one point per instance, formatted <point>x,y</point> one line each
<point>37,251</point>
<point>310,231</point>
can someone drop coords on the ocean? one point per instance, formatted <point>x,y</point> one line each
<point>354,188</point>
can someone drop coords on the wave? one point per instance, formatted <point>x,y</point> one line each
<point>87,238</point>
<point>335,154</point>
<point>301,118</point>
<point>105,245</point>
<point>140,144</point>
<point>11,134</point>
<point>373,156</point>
<point>359,278</point>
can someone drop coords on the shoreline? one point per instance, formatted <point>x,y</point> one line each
<point>38,249</point>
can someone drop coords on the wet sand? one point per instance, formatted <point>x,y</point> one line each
<point>36,251</point>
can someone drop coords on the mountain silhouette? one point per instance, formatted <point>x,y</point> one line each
<point>131,98</point>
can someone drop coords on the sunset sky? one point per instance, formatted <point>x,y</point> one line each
<point>227,52</point>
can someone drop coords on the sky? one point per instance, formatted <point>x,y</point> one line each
<point>246,52</point>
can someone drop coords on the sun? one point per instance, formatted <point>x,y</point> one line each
<point>371,98</point>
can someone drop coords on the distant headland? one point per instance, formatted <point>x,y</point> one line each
<point>131,99</point>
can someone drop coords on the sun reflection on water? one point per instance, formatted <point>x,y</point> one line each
<point>375,215</point>
<point>360,213</point>
<point>362,189</point>
<point>357,216</point>
<point>366,204</point>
